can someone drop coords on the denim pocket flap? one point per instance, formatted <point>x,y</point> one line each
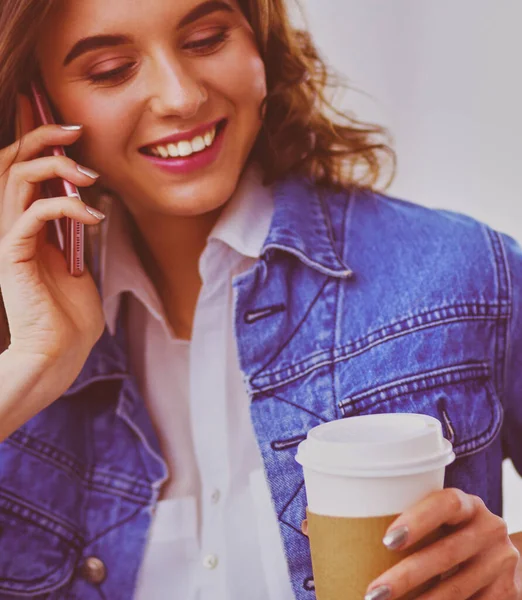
<point>38,553</point>
<point>462,397</point>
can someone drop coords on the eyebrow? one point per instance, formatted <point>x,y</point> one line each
<point>96,42</point>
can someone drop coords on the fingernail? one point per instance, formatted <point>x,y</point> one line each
<point>94,212</point>
<point>71,127</point>
<point>383,592</point>
<point>89,172</point>
<point>396,538</point>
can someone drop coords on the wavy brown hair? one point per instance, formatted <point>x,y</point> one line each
<point>302,131</point>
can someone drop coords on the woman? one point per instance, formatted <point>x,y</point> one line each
<point>245,251</point>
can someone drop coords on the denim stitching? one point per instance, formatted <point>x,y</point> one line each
<point>87,475</point>
<point>33,581</point>
<point>493,243</point>
<point>292,527</point>
<point>469,311</point>
<point>306,410</point>
<point>294,333</point>
<point>45,589</point>
<point>294,496</point>
<point>113,526</point>
<point>467,447</point>
<point>280,381</point>
<point>334,372</point>
<point>446,375</point>
<point>505,295</point>
<point>328,222</point>
<point>11,502</point>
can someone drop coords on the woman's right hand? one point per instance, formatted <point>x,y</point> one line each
<point>54,318</point>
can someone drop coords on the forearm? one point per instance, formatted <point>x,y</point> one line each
<point>23,392</point>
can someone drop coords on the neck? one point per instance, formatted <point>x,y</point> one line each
<point>170,248</point>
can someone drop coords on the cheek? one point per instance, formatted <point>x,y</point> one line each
<point>241,80</point>
<point>104,122</point>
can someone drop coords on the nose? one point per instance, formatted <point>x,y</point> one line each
<point>176,90</point>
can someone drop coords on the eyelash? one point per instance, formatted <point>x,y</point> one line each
<point>205,46</point>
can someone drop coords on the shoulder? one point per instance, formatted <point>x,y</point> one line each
<point>379,234</point>
<point>375,214</point>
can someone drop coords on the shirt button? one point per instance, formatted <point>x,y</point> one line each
<point>210,561</point>
<point>215,497</point>
<point>93,570</point>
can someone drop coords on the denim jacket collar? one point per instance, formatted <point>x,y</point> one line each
<point>300,226</point>
<point>107,360</point>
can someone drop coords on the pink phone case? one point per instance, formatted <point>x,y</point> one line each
<point>69,233</point>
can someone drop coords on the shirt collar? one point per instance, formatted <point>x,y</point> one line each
<point>243,225</point>
<point>245,221</point>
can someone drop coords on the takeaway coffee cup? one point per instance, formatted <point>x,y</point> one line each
<point>360,474</point>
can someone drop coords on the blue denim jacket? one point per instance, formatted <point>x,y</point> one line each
<point>360,304</point>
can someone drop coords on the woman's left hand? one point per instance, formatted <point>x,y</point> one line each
<point>477,558</point>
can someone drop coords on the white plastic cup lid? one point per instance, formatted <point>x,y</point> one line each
<point>383,445</point>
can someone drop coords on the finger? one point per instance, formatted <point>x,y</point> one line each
<point>442,556</point>
<point>504,588</point>
<point>36,141</point>
<point>20,187</point>
<point>481,578</point>
<point>304,527</point>
<point>20,244</point>
<point>445,507</point>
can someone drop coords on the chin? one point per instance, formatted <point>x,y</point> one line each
<point>200,197</point>
<point>192,204</point>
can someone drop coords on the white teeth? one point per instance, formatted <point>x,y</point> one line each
<point>185,147</point>
<point>198,144</point>
<point>173,150</point>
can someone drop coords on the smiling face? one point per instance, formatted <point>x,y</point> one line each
<point>181,78</point>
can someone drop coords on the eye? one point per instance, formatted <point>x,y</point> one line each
<point>208,44</point>
<point>114,76</point>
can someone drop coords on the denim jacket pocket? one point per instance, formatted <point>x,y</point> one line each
<point>462,397</point>
<point>38,552</point>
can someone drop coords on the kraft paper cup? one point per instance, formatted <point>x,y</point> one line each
<point>360,474</point>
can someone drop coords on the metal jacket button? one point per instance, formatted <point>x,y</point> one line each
<point>93,570</point>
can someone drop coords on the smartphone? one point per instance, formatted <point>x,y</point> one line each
<point>68,234</point>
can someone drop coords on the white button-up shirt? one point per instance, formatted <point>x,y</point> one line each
<point>214,535</point>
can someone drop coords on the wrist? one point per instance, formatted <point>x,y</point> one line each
<point>23,392</point>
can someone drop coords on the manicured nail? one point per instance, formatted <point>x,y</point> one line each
<point>94,212</point>
<point>71,127</point>
<point>89,172</point>
<point>396,538</point>
<point>381,593</point>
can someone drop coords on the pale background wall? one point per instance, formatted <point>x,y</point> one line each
<point>444,76</point>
